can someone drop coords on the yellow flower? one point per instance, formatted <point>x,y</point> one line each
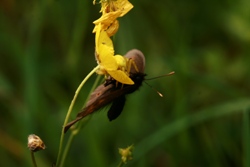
<point>111,10</point>
<point>124,6</point>
<point>115,66</point>
<point>126,153</point>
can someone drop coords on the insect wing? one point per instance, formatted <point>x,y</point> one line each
<point>95,102</point>
<point>116,108</point>
<point>102,96</point>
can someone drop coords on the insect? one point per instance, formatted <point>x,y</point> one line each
<point>113,92</point>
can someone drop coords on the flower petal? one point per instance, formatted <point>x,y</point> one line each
<point>121,77</point>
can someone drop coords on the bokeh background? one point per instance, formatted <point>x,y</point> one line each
<point>47,48</point>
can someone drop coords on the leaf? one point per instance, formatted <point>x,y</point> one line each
<point>175,127</point>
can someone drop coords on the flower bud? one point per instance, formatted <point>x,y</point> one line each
<point>35,143</point>
<point>126,153</point>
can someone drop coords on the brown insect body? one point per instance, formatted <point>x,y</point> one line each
<point>111,92</point>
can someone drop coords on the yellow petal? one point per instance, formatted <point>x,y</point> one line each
<point>124,6</point>
<point>121,77</point>
<point>104,40</point>
<point>108,18</point>
<point>104,44</point>
<point>97,36</point>
<point>107,59</point>
<point>105,50</point>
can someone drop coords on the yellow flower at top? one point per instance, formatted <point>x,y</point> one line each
<point>122,6</point>
<point>115,66</point>
<point>111,10</point>
<point>106,26</point>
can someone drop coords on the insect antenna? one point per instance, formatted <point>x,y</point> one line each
<point>159,93</point>
<point>171,73</point>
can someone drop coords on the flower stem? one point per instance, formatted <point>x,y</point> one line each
<point>33,158</point>
<point>120,164</point>
<point>75,131</point>
<point>69,112</point>
<point>66,149</point>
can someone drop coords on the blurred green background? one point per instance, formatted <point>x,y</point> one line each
<point>47,48</point>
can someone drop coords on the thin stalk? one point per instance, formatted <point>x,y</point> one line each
<point>33,158</point>
<point>120,164</point>
<point>246,137</point>
<point>67,148</point>
<point>79,125</point>
<point>75,131</point>
<point>69,112</point>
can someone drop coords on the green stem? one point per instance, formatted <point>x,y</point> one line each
<point>75,131</point>
<point>120,164</point>
<point>246,137</point>
<point>33,158</point>
<point>69,112</point>
<point>67,148</point>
